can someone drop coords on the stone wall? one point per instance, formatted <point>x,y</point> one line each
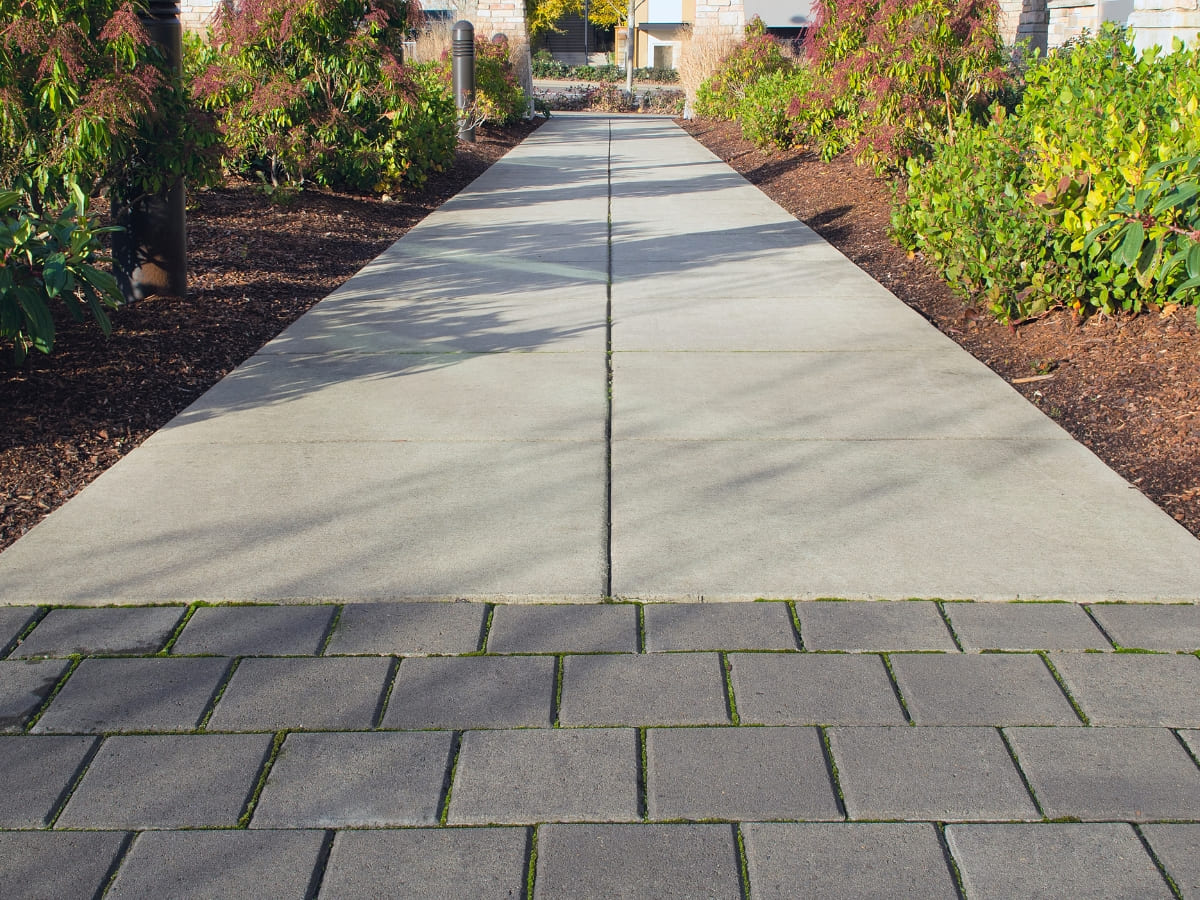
<point>1159,21</point>
<point>196,15</point>
<point>720,17</point>
<point>1024,20</point>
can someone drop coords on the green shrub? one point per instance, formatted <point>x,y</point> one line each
<point>544,65</point>
<point>657,74</point>
<point>723,92</point>
<point>763,112</point>
<point>499,99</point>
<point>47,259</point>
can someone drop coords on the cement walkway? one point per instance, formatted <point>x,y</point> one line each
<point>443,427</point>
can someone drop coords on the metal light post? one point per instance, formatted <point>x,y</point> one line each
<point>150,256</point>
<point>464,78</point>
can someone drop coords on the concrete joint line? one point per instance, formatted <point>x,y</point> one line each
<point>606,590</point>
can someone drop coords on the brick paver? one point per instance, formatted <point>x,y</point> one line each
<point>37,865</point>
<point>667,689</point>
<point>473,692</point>
<point>1024,626</point>
<point>873,627</point>
<point>408,628</point>
<point>1151,627</point>
<point>1175,846</point>
<point>813,689</point>
<point>1054,860</point>
<point>105,695</point>
<point>14,620</point>
<point>35,775</point>
<point>24,687</point>
<point>1133,688</point>
<point>719,626</point>
<point>564,628</point>
<point>255,630</point>
<point>862,860</point>
<point>116,630</point>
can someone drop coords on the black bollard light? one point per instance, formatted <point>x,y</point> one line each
<point>464,78</point>
<point>150,255</point>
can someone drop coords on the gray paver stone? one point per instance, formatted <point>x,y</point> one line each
<point>546,775</point>
<point>746,774</point>
<point>362,779</point>
<point>156,694</point>
<point>899,625</point>
<point>667,689</point>
<point>936,773</point>
<point>24,687</point>
<point>428,863</point>
<point>473,692</point>
<point>984,689</point>
<point>269,694</point>
<point>168,781</point>
<point>1192,739</point>
<point>1151,626</point>
<point>1024,626</point>
<point>657,862</point>
<point>13,620</point>
<point>114,630</point>
<point>564,628</point>
<point>50,865</point>
<point>1133,688</point>
<point>408,628</point>
<point>1054,860</point>
<point>719,626</point>
<point>35,775</point>
<point>255,630</point>
<point>216,865</point>
<point>844,861</point>
<point>1133,774</point>
<point>1175,846</point>
<point>813,689</point>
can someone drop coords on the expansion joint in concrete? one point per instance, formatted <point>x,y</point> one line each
<point>608,366</point>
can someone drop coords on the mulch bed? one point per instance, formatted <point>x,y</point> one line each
<point>254,268</point>
<point>1128,388</point>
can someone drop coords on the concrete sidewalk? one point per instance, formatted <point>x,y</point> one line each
<point>609,368</point>
<point>609,371</point>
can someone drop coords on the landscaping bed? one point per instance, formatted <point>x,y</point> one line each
<point>1126,387</point>
<point>255,266</point>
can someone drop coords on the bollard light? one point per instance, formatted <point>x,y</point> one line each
<point>150,255</point>
<point>464,78</point>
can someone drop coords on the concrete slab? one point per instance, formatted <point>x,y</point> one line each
<point>846,861</point>
<point>1175,847</point>
<point>36,865</point>
<point>746,774</point>
<point>356,780</point>
<point>1054,860</point>
<point>409,629</point>
<point>942,774</point>
<point>1130,774</point>
<point>105,695</point>
<point>884,519</point>
<point>168,781</point>
<point>24,687</point>
<point>1024,626</point>
<point>13,621</point>
<point>1151,627</point>
<point>1192,740</point>
<point>274,694</point>
<point>547,322</point>
<point>987,689</point>
<point>439,864</point>
<point>255,630</point>
<point>1133,688</point>
<point>665,689</point>
<point>655,862</point>
<point>473,692</point>
<point>214,865</point>
<point>562,628</point>
<point>810,396</point>
<point>813,689</point>
<point>867,319</point>
<point>35,775</point>
<point>267,522</point>
<point>66,632</point>
<point>859,627</point>
<point>400,397</point>
<point>719,626</point>
<point>522,777</point>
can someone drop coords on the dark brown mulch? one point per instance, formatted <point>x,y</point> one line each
<point>1128,388</point>
<point>254,268</point>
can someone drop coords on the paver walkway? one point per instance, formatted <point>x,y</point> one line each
<point>442,427</point>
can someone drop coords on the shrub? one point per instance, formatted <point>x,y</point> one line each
<point>759,55</point>
<point>544,65</point>
<point>700,55</point>
<point>763,111</point>
<point>86,98</point>
<point>46,259</point>
<point>316,90</point>
<point>498,97</point>
<point>657,75</point>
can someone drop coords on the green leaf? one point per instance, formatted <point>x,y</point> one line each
<point>55,275</point>
<point>1131,246</point>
